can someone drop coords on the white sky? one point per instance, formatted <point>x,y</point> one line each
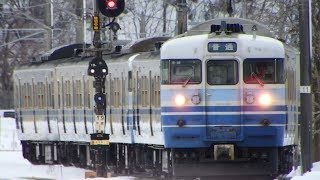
<point>14,167</point>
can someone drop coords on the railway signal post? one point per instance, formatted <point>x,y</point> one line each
<point>99,140</point>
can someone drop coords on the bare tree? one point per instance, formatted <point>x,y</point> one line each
<point>145,18</point>
<point>316,76</point>
<point>25,27</point>
<point>17,36</point>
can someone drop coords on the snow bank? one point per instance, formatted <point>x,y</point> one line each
<point>8,136</point>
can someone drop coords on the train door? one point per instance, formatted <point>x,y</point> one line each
<point>222,97</point>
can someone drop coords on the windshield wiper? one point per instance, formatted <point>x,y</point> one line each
<point>258,79</point>
<point>186,82</point>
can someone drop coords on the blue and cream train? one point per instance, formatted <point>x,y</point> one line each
<point>185,109</point>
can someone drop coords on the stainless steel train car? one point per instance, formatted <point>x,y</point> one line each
<point>223,100</point>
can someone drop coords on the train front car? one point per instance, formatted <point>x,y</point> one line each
<point>220,115</point>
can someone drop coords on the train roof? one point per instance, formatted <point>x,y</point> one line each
<point>248,25</point>
<point>195,47</point>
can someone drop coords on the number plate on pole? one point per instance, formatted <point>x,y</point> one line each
<point>100,122</point>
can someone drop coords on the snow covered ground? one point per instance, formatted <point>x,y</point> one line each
<point>14,167</point>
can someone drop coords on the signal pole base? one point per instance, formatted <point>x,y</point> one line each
<point>99,149</point>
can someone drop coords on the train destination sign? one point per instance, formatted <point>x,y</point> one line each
<point>222,47</point>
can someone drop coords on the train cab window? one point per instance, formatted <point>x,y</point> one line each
<point>264,71</point>
<point>222,72</point>
<point>181,71</point>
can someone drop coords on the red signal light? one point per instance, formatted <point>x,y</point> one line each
<point>111,8</point>
<point>111,4</point>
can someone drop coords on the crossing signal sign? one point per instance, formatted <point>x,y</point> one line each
<point>111,8</point>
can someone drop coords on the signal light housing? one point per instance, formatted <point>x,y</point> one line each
<point>97,68</point>
<point>111,8</point>
<point>100,98</point>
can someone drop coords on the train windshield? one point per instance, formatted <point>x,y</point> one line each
<point>181,71</point>
<point>264,71</point>
<point>222,72</point>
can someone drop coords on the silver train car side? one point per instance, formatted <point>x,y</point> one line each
<point>205,104</point>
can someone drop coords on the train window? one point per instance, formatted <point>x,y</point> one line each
<point>40,94</point>
<point>156,91</point>
<point>181,71</point>
<point>49,91</point>
<point>144,91</point>
<point>24,95</point>
<point>78,98</point>
<point>52,95</point>
<point>130,81</point>
<point>28,96</point>
<point>263,71</point>
<point>90,88</point>
<point>116,101</point>
<point>107,91</point>
<point>222,72</point>
<point>34,95</point>
<point>59,95</point>
<point>68,93</point>
<point>16,96</point>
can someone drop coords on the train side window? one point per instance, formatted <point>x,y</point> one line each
<point>59,94</point>
<point>89,92</point>
<point>29,96</point>
<point>68,93</point>
<point>116,96</point>
<point>143,91</point>
<point>78,94</point>
<point>117,92</point>
<point>222,72</point>
<point>40,95</point>
<point>16,96</point>
<point>107,91</point>
<point>123,89</point>
<point>130,81</point>
<point>111,85</point>
<point>24,95</point>
<point>52,95</point>
<point>156,91</point>
<point>48,95</point>
<point>34,95</point>
<point>85,93</point>
<point>165,71</point>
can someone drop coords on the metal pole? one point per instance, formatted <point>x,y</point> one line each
<point>305,89</point>
<point>49,23</point>
<point>99,140</point>
<point>84,21</point>
<point>182,10</point>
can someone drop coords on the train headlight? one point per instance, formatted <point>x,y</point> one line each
<point>265,99</point>
<point>180,100</point>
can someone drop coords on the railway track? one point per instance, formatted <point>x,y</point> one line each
<point>148,176</point>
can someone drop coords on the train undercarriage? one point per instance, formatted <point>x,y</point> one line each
<point>128,159</point>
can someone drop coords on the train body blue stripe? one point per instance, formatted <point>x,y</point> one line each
<point>222,108</point>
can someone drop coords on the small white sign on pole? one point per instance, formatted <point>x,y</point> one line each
<point>100,123</point>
